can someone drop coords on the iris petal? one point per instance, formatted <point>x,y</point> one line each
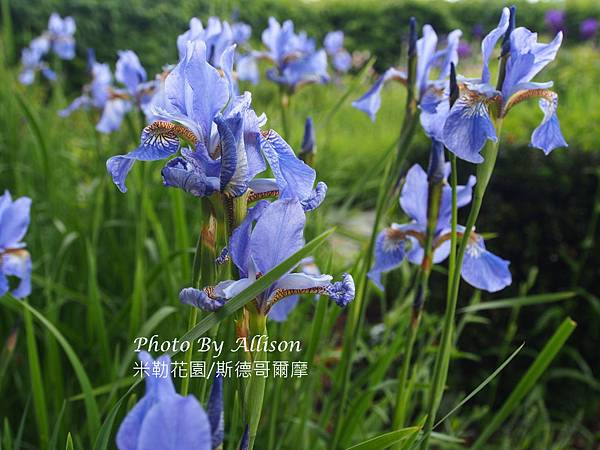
<point>371,101</point>
<point>547,136</point>
<point>484,270</point>
<point>468,126</point>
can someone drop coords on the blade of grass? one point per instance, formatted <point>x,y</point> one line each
<point>93,417</point>
<point>520,301</point>
<point>481,386</point>
<point>35,372</point>
<point>385,440</point>
<point>528,380</point>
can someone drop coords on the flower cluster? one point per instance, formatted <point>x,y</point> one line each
<point>481,268</point>
<point>14,258</point>
<point>295,58</point>
<point>115,102</point>
<point>58,38</point>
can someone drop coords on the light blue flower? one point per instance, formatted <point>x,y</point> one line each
<point>296,60</point>
<point>334,46</point>
<point>15,260</point>
<point>469,124</point>
<point>270,233</point>
<point>165,420</point>
<point>481,268</point>
<point>61,31</point>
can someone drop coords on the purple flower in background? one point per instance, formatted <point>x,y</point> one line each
<point>555,20</point>
<point>588,28</point>
<point>477,31</point>
<point>15,260</point>
<point>430,93</point>
<point>481,268</point>
<point>271,233</point>
<point>165,420</point>
<point>468,125</point>
<point>464,50</point>
<point>334,46</point>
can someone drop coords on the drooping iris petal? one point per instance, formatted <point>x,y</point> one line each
<point>199,299</point>
<point>278,233</point>
<point>547,136</point>
<point>484,270</point>
<point>119,167</point>
<point>371,101</point>
<point>342,292</point>
<point>389,252</point>
<point>342,61</point>
<point>294,177</point>
<point>468,125</point>
<point>413,198</point>
<point>186,173</point>
<point>280,311</point>
<point>489,42</point>
<point>178,423</point>
<point>112,115</point>
<point>316,198</point>
<point>215,412</point>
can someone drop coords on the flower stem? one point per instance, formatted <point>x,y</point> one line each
<point>422,289</point>
<point>442,361</point>
<point>284,103</point>
<point>204,271</point>
<point>255,387</point>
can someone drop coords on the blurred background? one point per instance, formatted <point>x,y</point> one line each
<point>542,211</point>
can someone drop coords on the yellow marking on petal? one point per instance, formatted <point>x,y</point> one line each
<point>256,196</point>
<point>161,129</point>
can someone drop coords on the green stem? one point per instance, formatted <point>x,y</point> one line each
<point>204,271</point>
<point>37,386</point>
<point>255,388</point>
<point>442,361</point>
<point>284,103</point>
<point>358,308</point>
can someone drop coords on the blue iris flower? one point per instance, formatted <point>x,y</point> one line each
<point>15,260</point>
<point>430,93</point>
<point>225,148</point>
<point>334,46</point>
<point>296,60</point>
<point>165,420</point>
<point>469,125</point>
<point>481,268</point>
<point>270,233</point>
<point>115,102</point>
<point>60,34</point>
